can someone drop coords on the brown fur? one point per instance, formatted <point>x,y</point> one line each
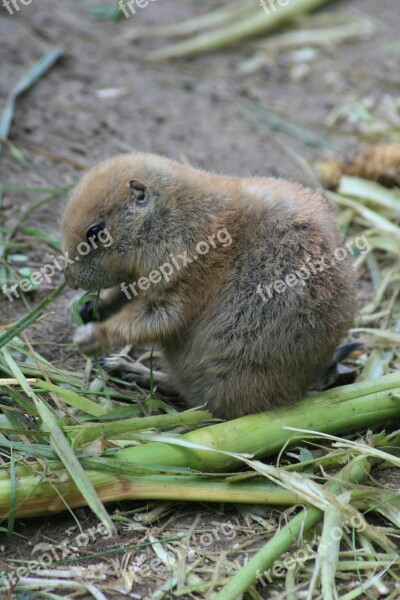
<point>223,344</point>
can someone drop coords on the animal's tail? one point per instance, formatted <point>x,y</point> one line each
<point>336,373</point>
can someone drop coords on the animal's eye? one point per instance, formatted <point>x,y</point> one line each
<point>93,231</point>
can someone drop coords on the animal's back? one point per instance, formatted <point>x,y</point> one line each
<point>258,342</point>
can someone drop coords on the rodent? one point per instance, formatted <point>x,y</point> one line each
<point>224,344</point>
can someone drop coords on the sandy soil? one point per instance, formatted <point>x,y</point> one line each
<point>190,110</point>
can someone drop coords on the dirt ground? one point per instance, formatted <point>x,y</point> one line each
<point>194,110</point>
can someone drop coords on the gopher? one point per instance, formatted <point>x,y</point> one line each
<point>238,280</point>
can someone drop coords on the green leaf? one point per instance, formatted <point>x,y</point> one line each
<point>13,495</point>
<point>104,13</point>
<point>26,272</point>
<point>370,191</point>
<point>95,298</point>
<point>29,79</point>
<point>30,318</point>
<point>43,236</point>
<point>73,399</point>
<point>17,258</point>
<point>62,448</point>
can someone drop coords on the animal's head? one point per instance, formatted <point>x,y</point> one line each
<point>124,218</point>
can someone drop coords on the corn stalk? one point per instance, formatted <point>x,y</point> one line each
<point>257,22</point>
<point>212,449</point>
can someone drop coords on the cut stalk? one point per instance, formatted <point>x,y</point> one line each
<point>215,18</point>
<point>348,408</point>
<point>282,541</point>
<point>90,431</point>
<point>257,23</point>
<point>36,498</point>
<point>336,411</point>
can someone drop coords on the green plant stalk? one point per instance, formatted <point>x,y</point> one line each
<point>30,318</point>
<point>34,497</point>
<point>60,445</point>
<point>257,23</point>
<point>215,18</point>
<point>342,409</point>
<point>349,408</point>
<point>83,434</point>
<point>307,519</point>
<point>29,79</point>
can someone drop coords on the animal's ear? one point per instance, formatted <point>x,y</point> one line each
<point>138,191</point>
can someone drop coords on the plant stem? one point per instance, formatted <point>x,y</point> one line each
<point>354,472</point>
<point>257,23</point>
<point>334,411</point>
<point>220,16</point>
<point>348,408</point>
<point>30,318</point>
<point>36,498</point>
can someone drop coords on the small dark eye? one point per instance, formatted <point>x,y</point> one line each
<point>93,231</point>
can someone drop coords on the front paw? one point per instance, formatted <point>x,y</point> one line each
<point>91,340</point>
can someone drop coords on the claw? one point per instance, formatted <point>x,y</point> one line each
<point>103,361</point>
